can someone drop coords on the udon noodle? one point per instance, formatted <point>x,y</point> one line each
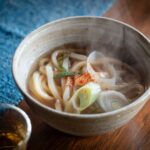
<point>75,83</point>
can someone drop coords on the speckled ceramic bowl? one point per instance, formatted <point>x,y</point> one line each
<point>98,33</point>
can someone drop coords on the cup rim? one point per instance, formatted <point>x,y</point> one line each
<point>25,116</point>
<point>141,99</point>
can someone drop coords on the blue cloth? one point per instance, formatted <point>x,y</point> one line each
<point>19,17</point>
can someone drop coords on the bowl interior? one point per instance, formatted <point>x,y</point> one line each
<point>87,34</point>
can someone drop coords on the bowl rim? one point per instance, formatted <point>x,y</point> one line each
<point>141,99</point>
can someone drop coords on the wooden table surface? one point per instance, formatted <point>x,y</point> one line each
<point>133,136</point>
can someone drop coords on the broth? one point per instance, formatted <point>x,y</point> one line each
<point>69,80</point>
<point>9,140</point>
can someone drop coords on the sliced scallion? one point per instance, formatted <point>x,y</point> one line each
<point>65,74</point>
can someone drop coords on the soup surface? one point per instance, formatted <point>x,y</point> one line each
<point>69,81</point>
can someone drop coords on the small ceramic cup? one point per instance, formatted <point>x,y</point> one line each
<point>15,126</point>
<point>114,38</point>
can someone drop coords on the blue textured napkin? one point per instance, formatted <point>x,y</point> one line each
<point>19,17</point>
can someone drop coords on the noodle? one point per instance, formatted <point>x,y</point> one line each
<point>78,56</point>
<point>36,87</point>
<point>66,63</point>
<point>51,83</point>
<point>76,83</point>
<point>55,55</point>
<point>78,65</point>
<point>58,105</point>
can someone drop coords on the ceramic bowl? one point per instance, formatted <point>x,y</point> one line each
<point>97,33</point>
<point>14,121</point>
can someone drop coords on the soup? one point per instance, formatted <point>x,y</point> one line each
<point>9,140</point>
<point>69,81</point>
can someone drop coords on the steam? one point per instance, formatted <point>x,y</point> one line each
<point>120,42</point>
<point>114,40</point>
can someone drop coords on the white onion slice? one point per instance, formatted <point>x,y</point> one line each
<point>89,95</point>
<point>51,83</point>
<point>95,59</point>
<point>105,83</point>
<point>112,100</point>
<point>78,56</point>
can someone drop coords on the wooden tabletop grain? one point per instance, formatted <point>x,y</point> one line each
<point>133,136</point>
